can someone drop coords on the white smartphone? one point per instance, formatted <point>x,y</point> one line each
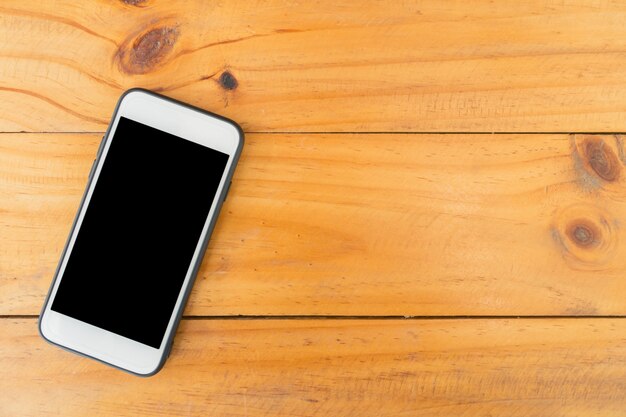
<point>154,192</point>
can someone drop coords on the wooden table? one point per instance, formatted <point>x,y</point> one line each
<point>429,217</point>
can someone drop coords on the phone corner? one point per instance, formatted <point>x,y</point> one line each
<point>241,138</point>
<point>239,133</point>
<point>126,94</point>
<point>133,90</point>
<point>40,328</point>
<point>153,372</point>
<point>239,130</point>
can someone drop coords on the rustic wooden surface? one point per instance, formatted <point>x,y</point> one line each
<point>321,66</point>
<point>365,224</point>
<point>378,241</point>
<point>527,367</point>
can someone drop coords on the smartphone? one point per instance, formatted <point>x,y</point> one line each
<point>155,190</point>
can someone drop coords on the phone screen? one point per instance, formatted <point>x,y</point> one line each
<point>139,233</point>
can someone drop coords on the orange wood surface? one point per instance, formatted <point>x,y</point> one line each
<point>364,224</point>
<point>416,175</point>
<point>321,66</point>
<point>493,367</point>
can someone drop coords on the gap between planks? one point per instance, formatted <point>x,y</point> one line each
<point>321,132</point>
<point>340,317</point>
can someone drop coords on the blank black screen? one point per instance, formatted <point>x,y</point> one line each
<point>139,233</point>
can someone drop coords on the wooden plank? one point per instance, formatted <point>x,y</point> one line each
<point>364,225</point>
<point>545,367</point>
<point>320,65</point>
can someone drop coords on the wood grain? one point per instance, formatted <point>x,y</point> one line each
<point>364,224</point>
<point>545,367</point>
<point>321,65</point>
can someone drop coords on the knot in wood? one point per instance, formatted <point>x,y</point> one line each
<point>148,50</point>
<point>137,3</point>
<point>584,233</point>
<point>602,160</point>
<point>586,236</point>
<point>228,81</point>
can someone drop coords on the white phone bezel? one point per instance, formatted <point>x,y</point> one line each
<point>179,120</point>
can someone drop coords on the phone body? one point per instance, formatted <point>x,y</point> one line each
<point>155,190</point>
